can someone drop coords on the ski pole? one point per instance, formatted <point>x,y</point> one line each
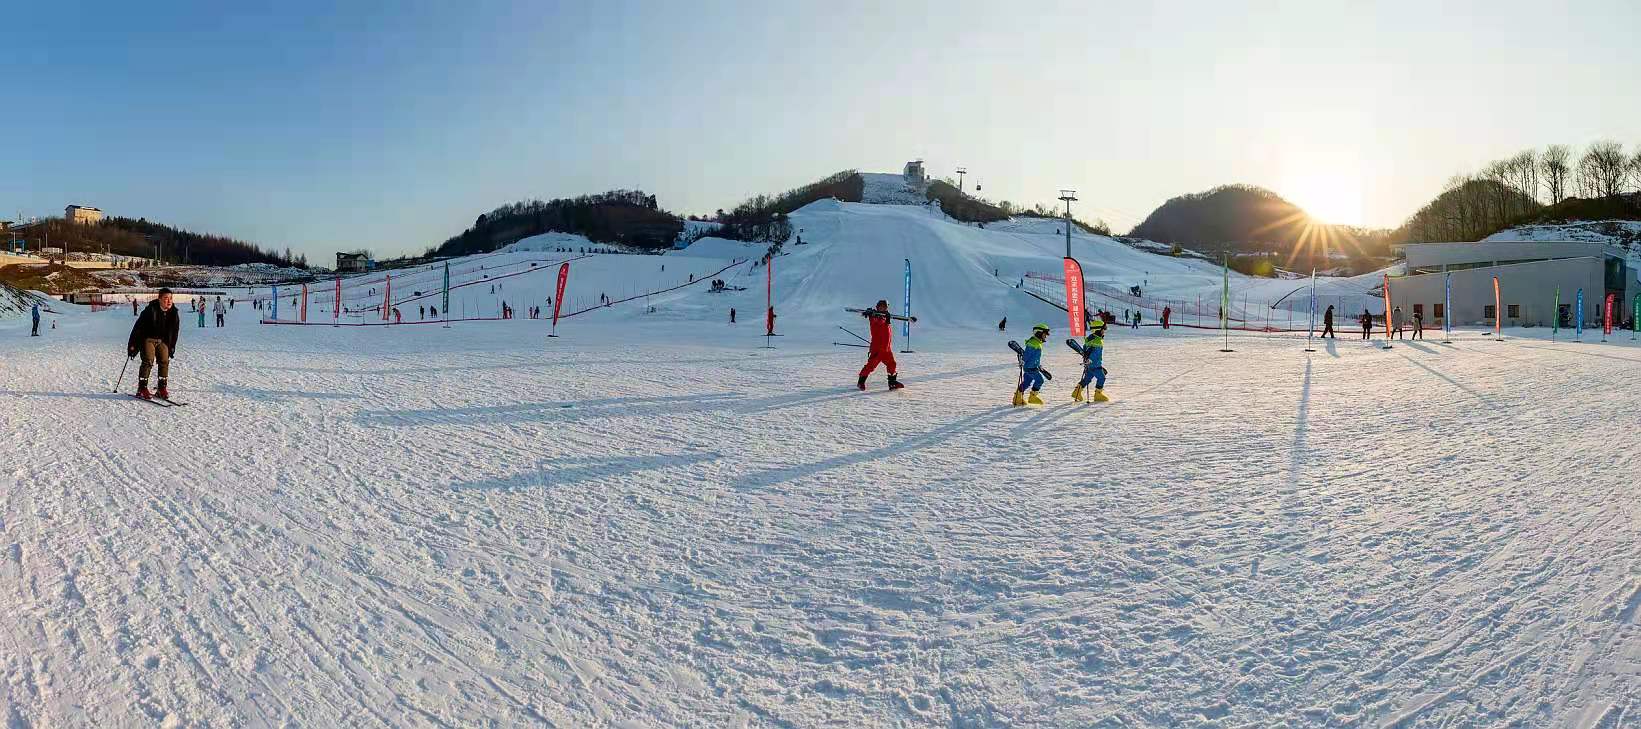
<point>847,344</point>
<point>121,378</point>
<point>852,334</point>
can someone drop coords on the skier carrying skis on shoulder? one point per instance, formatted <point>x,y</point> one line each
<point>154,335</point>
<point>881,348</point>
<point>1093,349</point>
<point>1031,363</point>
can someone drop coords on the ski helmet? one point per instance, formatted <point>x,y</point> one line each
<point>1039,328</point>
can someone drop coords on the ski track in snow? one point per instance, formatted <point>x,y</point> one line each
<point>672,527</point>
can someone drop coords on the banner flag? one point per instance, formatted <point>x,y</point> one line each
<point>1555,314</point>
<point>1447,306</point>
<point>769,297</point>
<point>558,296</point>
<point>304,307</point>
<point>1578,313</point>
<point>1387,309</point>
<point>444,301</point>
<point>275,311</point>
<point>387,296</point>
<point>336,311</point>
<point>906,326</point>
<point>1607,316</point>
<point>1498,308</point>
<point>1074,296</point>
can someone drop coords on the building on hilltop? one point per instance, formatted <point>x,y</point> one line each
<point>1529,274</point>
<point>352,262</point>
<point>82,214</point>
<point>914,173</point>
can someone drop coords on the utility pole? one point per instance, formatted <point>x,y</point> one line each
<point>960,172</point>
<point>1069,196</point>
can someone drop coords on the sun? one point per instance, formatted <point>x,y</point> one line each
<point>1333,197</point>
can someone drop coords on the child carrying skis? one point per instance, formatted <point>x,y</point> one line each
<point>1031,364</point>
<point>1092,349</point>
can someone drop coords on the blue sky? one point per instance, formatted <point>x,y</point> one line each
<point>326,126</point>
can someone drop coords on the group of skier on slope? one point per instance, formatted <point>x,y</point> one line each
<point>880,350</point>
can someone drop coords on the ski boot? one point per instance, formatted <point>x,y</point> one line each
<point>1019,398</point>
<point>1077,394</point>
<point>1033,399</point>
<point>142,391</point>
<point>861,383</point>
<point>162,393</point>
<point>1099,395</point>
<point>894,383</point>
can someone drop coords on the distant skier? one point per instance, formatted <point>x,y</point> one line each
<point>220,309</point>
<point>133,306</point>
<point>199,306</point>
<point>1003,325</point>
<point>154,335</point>
<point>1367,325</point>
<point>732,315</point>
<point>1093,352</point>
<point>1136,318</point>
<point>421,312</point>
<point>1031,363</point>
<point>881,348</point>
<point>1327,322</point>
<point>1167,311</point>
<point>35,312</point>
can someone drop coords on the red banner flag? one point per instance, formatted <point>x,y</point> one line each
<point>387,296</point>
<point>558,297</point>
<point>1074,296</point>
<point>336,313</point>
<point>769,296</point>
<point>1607,321</point>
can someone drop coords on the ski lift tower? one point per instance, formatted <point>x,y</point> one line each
<point>1069,196</point>
<point>960,172</point>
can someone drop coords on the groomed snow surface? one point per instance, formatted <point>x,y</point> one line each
<point>649,523</point>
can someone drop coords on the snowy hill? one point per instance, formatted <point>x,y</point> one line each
<point>1623,233</point>
<point>964,277</point>
<point>884,188</point>
<point>16,302</point>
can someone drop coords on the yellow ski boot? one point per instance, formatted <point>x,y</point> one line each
<point>1077,394</point>
<point>1033,399</point>
<point>1019,399</point>
<point>1099,395</point>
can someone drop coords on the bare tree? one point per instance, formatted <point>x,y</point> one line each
<point>1524,174</point>
<point>1635,170</point>
<point>1602,169</point>
<point>1554,167</point>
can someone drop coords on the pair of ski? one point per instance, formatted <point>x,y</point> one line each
<point>160,401</point>
<point>1020,357</point>
<point>875,312</point>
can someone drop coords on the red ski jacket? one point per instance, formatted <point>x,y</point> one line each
<point>881,331</point>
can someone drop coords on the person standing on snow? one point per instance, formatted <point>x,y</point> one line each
<point>1397,321</point>
<point>221,310</point>
<point>1003,325</point>
<point>155,336</point>
<point>1418,324</point>
<point>881,348</point>
<point>1093,363</point>
<point>1327,322</point>
<point>133,306</point>
<point>1031,362</point>
<point>732,315</point>
<point>35,312</point>
<point>1167,311</point>
<point>1367,325</point>
<point>199,306</point>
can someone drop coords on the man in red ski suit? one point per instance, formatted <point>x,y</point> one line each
<point>881,349</point>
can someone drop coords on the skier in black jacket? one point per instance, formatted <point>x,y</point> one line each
<point>155,337</point>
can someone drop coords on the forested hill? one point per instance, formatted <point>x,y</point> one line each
<point>629,217</point>
<point>143,239</point>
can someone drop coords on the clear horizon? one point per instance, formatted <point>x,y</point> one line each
<point>392,127</point>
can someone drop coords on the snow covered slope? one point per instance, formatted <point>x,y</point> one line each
<point>659,524</point>
<point>16,302</point>
<point>1624,233</point>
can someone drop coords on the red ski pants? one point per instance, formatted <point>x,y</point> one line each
<point>886,356</point>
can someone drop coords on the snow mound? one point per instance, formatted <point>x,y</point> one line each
<point>721,248</point>
<point>1622,233</point>
<point>882,188</point>
<point>16,302</point>
<point>547,242</point>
